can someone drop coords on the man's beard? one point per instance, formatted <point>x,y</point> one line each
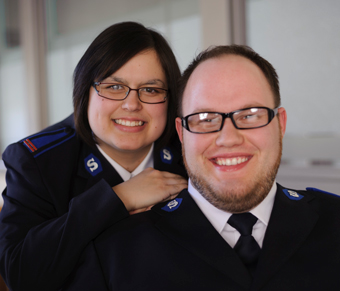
<point>236,200</point>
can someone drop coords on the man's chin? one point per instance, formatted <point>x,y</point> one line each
<point>232,199</point>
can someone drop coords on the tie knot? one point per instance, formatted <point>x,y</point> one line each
<point>243,222</point>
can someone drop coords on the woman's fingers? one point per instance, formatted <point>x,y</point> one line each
<point>149,188</point>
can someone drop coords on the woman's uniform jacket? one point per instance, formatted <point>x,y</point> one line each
<point>174,247</point>
<point>58,198</point>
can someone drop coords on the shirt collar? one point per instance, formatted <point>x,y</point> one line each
<point>218,218</point>
<point>264,209</point>
<point>126,175</point>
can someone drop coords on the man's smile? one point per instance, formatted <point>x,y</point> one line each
<point>231,162</point>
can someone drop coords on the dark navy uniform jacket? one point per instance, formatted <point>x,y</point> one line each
<point>174,247</point>
<point>58,198</point>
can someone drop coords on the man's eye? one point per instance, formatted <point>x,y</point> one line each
<point>249,116</point>
<point>209,121</point>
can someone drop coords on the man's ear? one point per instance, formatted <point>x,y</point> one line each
<point>282,116</point>
<point>179,129</point>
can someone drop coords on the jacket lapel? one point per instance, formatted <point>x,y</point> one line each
<point>166,159</point>
<point>188,227</point>
<point>169,159</point>
<point>290,224</point>
<point>93,167</point>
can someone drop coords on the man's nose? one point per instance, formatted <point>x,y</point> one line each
<point>229,135</point>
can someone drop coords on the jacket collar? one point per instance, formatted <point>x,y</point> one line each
<point>188,227</point>
<point>93,166</point>
<point>289,226</point>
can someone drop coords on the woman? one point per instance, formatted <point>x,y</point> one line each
<point>68,183</point>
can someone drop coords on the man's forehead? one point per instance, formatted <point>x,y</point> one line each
<point>221,67</point>
<point>229,78</point>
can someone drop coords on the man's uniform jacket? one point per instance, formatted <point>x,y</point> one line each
<point>174,247</point>
<point>58,198</point>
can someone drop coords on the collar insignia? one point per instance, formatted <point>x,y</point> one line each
<point>93,165</point>
<point>172,205</point>
<point>292,195</point>
<point>166,156</point>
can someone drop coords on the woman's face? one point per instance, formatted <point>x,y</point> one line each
<point>130,125</point>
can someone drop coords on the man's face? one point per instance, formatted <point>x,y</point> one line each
<point>226,84</point>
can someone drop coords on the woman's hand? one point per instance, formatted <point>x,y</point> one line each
<point>148,188</point>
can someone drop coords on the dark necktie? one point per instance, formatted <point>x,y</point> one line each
<point>246,247</point>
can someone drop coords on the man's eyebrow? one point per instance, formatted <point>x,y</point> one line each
<point>207,109</point>
<point>250,105</point>
<point>203,110</point>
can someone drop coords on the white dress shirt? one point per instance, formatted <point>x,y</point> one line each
<point>126,175</point>
<point>218,218</point>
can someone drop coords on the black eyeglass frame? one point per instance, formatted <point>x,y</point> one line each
<point>128,92</point>
<point>271,114</point>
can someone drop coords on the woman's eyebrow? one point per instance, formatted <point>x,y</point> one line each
<point>147,82</point>
<point>116,79</point>
<point>154,81</point>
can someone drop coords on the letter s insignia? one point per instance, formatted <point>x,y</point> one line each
<point>166,156</point>
<point>172,205</point>
<point>93,165</point>
<point>292,195</point>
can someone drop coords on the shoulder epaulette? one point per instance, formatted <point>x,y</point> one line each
<point>44,141</point>
<point>318,190</point>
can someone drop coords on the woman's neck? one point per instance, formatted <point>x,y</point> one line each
<point>129,160</point>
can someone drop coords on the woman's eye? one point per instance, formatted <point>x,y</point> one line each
<point>149,90</point>
<point>116,87</point>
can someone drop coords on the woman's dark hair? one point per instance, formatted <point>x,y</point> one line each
<point>111,49</point>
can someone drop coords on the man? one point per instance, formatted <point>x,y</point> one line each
<point>231,133</point>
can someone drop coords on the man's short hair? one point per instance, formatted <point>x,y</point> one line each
<point>238,50</point>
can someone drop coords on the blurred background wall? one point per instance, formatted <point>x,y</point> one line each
<point>41,42</point>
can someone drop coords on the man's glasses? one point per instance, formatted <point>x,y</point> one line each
<point>150,95</point>
<point>248,118</point>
